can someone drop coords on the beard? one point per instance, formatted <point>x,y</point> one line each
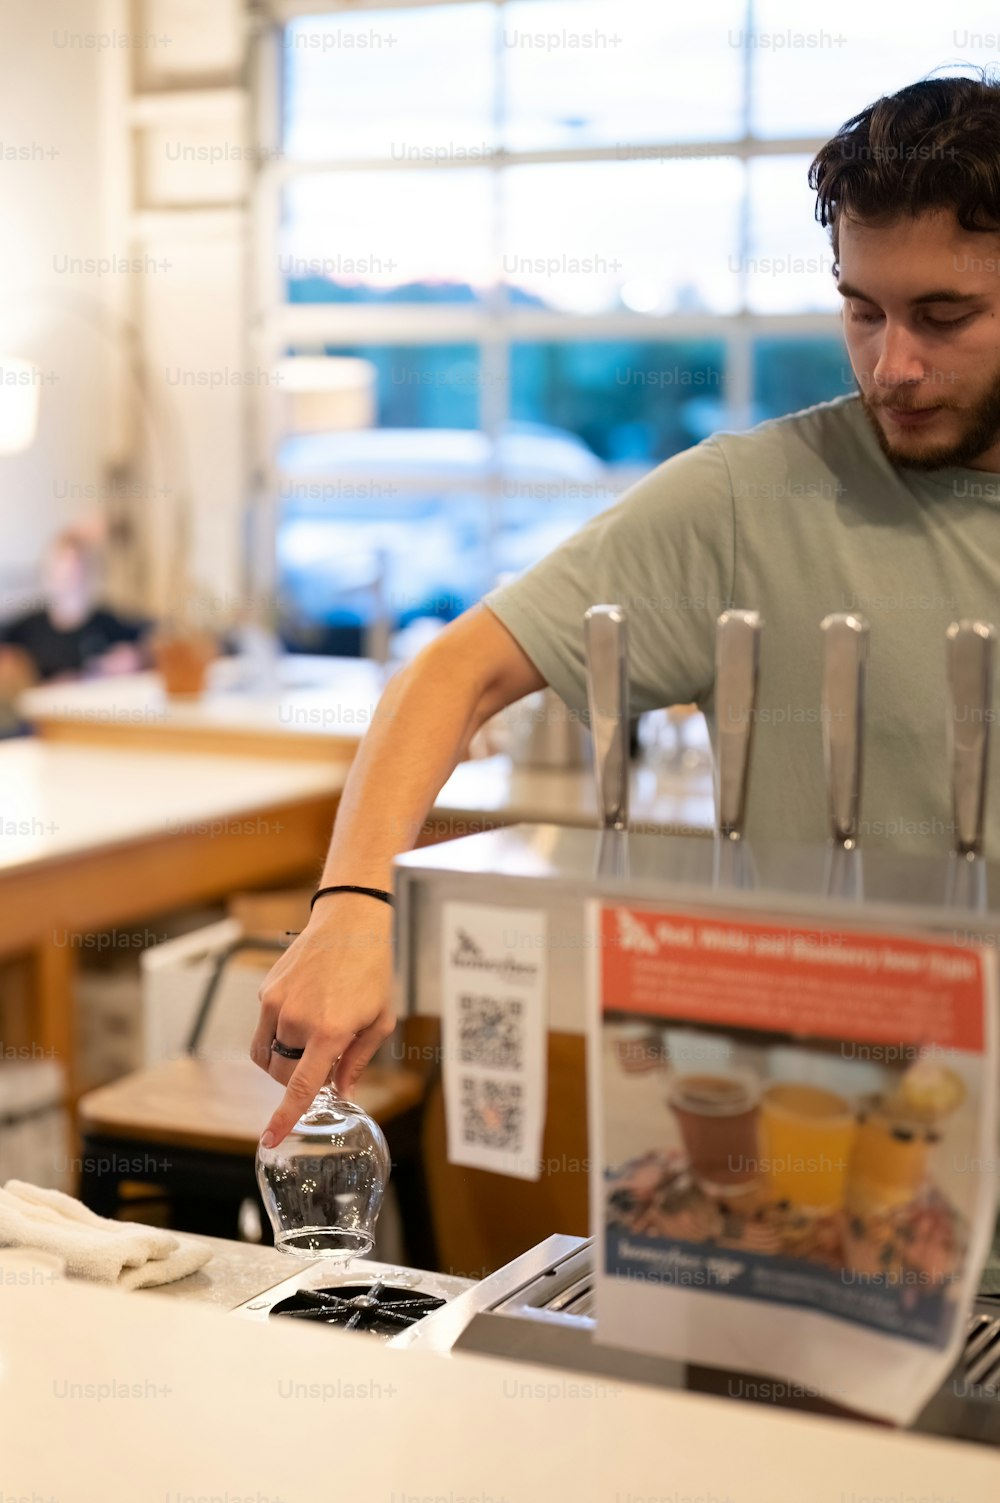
<point>981,431</point>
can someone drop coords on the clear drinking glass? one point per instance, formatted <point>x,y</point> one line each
<point>323,1184</point>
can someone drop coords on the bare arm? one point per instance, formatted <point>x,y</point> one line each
<point>331,991</point>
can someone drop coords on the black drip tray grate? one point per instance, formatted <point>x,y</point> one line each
<point>383,1309</point>
<point>981,1358</point>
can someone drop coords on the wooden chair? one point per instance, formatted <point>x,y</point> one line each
<point>188,1127</point>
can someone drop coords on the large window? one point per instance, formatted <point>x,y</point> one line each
<point>548,243</point>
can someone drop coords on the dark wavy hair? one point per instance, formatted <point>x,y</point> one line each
<point>934,145</point>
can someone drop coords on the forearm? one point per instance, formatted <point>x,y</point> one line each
<point>419,733</point>
<point>326,995</point>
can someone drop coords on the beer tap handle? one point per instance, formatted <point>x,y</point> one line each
<point>969,664</point>
<point>845,666</point>
<point>606,643</point>
<point>737,674</point>
<point>605,629</point>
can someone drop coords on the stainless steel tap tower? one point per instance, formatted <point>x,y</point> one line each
<point>836,884</point>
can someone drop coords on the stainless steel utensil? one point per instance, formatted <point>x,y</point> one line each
<point>737,680</point>
<point>605,630</point>
<point>845,668</point>
<point>969,651</point>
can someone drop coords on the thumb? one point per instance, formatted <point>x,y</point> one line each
<point>357,1056</point>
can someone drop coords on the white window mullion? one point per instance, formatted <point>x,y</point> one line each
<point>495,324</point>
<point>340,323</point>
<point>742,148</point>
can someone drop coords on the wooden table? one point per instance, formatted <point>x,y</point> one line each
<point>221,1106</point>
<point>193,1124</point>
<point>105,822</point>
<point>322,708</point>
<point>92,838</point>
<point>314,708</point>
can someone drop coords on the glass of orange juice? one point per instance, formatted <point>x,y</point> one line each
<point>806,1133</point>
<point>889,1163</point>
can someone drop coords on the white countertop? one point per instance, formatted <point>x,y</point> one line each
<point>110,1397</point>
<point>58,799</point>
<point>336,698</point>
<point>658,799</point>
<point>314,696</point>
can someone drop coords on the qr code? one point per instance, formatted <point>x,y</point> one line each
<point>491,1032</point>
<point>492,1112</point>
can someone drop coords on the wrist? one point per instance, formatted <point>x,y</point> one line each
<point>328,893</point>
<point>350,908</point>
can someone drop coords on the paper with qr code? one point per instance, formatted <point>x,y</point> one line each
<point>494,1033</point>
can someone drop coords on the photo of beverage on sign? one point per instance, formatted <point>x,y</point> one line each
<point>789,1123</point>
<point>762,1157</point>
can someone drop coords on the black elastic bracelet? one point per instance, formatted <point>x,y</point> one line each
<point>370,892</point>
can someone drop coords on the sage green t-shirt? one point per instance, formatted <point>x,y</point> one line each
<point>796,518</point>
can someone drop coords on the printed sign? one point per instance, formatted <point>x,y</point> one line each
<point>797,1131</point>
<point>494,1033</point>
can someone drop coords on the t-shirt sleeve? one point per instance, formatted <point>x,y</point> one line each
<point>665,552</point>
<point>12,631</point>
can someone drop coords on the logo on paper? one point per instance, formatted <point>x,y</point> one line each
<point>468,953</point>
<point>633,935</point>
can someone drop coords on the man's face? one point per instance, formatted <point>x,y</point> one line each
<point>922,325</point>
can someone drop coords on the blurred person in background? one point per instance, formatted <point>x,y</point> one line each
<point>73,634</point>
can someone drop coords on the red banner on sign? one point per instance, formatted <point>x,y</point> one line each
<point>783,978</point>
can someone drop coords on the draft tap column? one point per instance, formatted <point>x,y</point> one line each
<point>605,629</point>
<point>969,648</point>
<point>845,671</point>
<point>737,681</point>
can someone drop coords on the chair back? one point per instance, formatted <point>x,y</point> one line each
<point>227,1013</point>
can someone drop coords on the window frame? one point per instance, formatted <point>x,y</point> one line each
<point>492,325</point>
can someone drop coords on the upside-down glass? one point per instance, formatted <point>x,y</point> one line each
<point>322,1186</point>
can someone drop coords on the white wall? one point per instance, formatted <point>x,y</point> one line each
<point>70,136</point>
<point>51,212</point>
<point>190,183</point>
<point>192,320</point>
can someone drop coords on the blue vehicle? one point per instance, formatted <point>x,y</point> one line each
<point>411,523</point>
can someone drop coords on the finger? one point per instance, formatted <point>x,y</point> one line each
<point>260,1044</point>
<point>281,1068</point>
<point>309,1074</point>
<point>358,1054</point>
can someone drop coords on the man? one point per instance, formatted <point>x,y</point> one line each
<point>886,502</point>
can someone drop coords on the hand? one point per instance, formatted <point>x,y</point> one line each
<point>17,672</point>
<point>330,994</point>
<point>124,657</point>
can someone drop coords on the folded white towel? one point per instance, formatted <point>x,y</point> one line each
<point>123,1253</point>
